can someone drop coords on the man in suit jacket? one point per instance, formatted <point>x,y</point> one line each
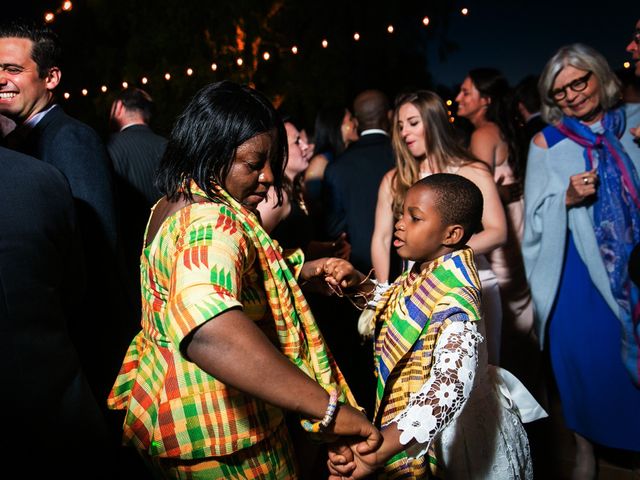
<point>351,186</point>
<point>135,151</point>
<point>50,414</point>
<point>29,74</point>
<point>352,181</point>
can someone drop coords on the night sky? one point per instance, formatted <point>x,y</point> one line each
<point>519,37</point>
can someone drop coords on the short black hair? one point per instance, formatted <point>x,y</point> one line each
<point>458,201</point>
<point>137,100</point>
<point>46,51</point>
<point>203,143</point>
<point>527,92</point>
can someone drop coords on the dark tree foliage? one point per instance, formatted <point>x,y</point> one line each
<point>107,42</point>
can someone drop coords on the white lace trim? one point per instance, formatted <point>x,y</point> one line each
<point>443,395</point>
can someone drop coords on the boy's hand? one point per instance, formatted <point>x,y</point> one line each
<point>345,462</point>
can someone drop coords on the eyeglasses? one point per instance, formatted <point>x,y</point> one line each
<point>578,85</point>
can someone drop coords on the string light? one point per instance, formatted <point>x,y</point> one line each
<point>68,5</point>
<point>626,64</point>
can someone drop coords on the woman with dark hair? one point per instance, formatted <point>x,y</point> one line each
<point>484,101</point>
<point>335,129</point>
<point>582,196</point>
<point>227,342</point>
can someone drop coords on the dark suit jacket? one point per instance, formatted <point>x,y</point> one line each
<point>108,325</point>
<point>135,153</point>
<point>48,407</point>
<point>351,186</point>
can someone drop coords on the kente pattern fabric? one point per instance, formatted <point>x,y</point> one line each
<point>411,317</point>
<point>616,214</point>
<point>206,259</point>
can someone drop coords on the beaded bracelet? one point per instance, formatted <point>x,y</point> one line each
<point>315,427</point>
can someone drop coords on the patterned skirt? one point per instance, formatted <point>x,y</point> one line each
<point>272,458</point>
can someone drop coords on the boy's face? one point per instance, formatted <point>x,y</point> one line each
<point>419,234</point>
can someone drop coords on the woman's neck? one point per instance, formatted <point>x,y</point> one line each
<point>479,119</point>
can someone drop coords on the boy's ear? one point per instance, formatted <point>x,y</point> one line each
<point>453,235</point>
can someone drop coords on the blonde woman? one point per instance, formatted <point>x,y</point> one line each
<point>424,143</point>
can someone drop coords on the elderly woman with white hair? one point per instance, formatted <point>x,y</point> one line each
<point>582,208</point>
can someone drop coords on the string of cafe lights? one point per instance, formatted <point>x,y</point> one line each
<point>67,6</point>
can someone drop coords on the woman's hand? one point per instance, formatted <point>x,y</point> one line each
<point>341,273</point>
<point>581,187</point>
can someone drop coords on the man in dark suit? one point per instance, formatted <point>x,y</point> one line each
<point>29,74</point>
<point>351,185</point>
<point>51,417</point>
<point>352,181</point>
<point>135,151</point>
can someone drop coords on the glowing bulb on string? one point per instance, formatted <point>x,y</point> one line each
<point>452,119</point>
<point>144,80</point>
<point>125,84</point>
<point>356,36</point>
<point>214,67</point>
<point>239,62</point>
<point>449,102</point>
<point>390,29</point>
<point>294,50</point>
<point>425,21</point>
<point>103,88</point>
<point>66,6</point>
<point>325,44</point>
<point>189,71</point>
<point>626,64</point>
<point>465,11</point>
<point>84,92</point>
<point>266,55</point>
<point>66,95</point>
<point>167,76</point>
<point>49,17</point>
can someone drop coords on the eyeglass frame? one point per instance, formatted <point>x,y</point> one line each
<point>572,85</point>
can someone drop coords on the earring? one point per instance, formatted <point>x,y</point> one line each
<point>261,177</point>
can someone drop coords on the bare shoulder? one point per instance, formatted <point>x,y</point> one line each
<point>540,141</point>
<point>316,167</point>
<point>476,169</point>
<point>486,132</point>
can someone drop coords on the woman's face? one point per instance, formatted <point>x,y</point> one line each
<point>411,128</point>
<point>250,175</point>
<point>470,102</point>
<point>581,105</point>
<point>298,158</point>
<point>349,128</point>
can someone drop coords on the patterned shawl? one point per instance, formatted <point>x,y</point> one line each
<point>297,331</point>
<point>616,215</point>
